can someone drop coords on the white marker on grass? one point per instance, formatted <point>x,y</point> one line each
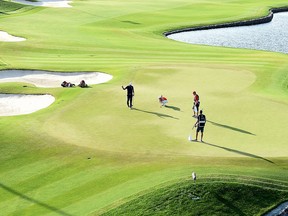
<point>194,196</point>
<point>194,176</point>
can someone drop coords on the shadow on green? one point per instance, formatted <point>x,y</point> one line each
<point>44,205</point>
<point>239,152</point>
<point>231,128</point>
<point>156,113</point>
<point>173,107</point>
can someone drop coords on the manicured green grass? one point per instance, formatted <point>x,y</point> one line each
<point>88,152</point>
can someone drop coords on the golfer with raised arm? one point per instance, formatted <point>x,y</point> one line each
<point>130,94</point>
<point>201,120</point>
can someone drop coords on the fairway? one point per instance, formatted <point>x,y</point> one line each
<point>87,153</point>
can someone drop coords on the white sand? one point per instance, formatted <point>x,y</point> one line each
<point>5,37</point>
<point>17,104</point>
<point>11,104</point>
<point>52,79</point>
<point>46,3</point>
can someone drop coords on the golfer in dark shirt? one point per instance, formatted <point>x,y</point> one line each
<point>130,94</point>
<point>201,120</point>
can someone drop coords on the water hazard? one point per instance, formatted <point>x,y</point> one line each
<point>272,36</point>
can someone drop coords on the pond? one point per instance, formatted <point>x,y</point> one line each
<point>271,36</point>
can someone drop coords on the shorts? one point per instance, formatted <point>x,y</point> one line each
<point>164,102</point>
<point>200,129</point>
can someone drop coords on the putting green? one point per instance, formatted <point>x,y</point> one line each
<point>88,152</point>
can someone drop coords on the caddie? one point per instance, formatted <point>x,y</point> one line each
<point>201,121</point>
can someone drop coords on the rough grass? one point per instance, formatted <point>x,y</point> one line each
<point>45,166</point>
<point>205,198</point>
<point>8,8</point>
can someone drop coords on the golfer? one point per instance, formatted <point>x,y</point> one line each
<point>201,120</point>
<point>130,94</point>
<point>196,104</point>
<point>163,101</point>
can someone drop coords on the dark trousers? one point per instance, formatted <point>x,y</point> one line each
<point>129,100</point>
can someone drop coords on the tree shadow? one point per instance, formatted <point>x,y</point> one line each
<point>156,113</point>
<point>230,205</point>
<point>239,152</point>
<point>173,107</point>
<point>231,128</point>
<point>44,205</point>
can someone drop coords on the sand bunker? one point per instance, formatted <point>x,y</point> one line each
<point>46,3</point>
<point>4,36</point>
<point>18,104</point>
<point>52,79</point>
<point>11,104</point>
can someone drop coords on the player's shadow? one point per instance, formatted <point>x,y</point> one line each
<point>173,107</point>
<point>161,115</point>
<point>239,152</point>
<point>34,201</point>
<point>231,128</point>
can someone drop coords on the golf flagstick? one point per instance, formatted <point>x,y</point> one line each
<point>190,136</point>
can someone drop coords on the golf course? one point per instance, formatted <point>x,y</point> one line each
<point>89,154</point>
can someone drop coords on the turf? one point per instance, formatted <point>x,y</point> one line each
<point>45,166</point>
<point>204,198</point>
<point>10,8</point>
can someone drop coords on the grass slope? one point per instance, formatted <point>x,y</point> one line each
<point>88,152</point>
<point>8,8</point>
<point>209,197</point>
